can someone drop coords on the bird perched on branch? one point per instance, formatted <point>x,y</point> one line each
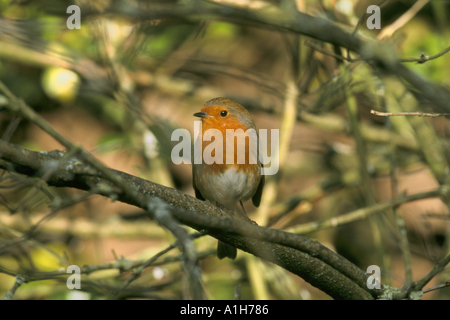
<point>227,176</point>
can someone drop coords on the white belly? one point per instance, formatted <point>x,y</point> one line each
<point>230,187</point>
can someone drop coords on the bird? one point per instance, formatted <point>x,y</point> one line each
<point>233,181</point>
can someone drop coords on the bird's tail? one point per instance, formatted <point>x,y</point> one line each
<point>226,251</point>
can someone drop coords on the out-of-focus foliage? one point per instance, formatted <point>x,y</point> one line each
<point>121,84</point>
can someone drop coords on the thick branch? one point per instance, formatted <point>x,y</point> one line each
<point>308,259</point>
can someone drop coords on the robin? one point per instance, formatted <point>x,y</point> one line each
<point>230,181</point>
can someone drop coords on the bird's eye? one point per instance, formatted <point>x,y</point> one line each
<point>223,113</point>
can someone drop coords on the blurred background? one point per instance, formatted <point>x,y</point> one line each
<point>137,70</point>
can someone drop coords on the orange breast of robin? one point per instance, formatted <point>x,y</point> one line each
<point>242,140</point>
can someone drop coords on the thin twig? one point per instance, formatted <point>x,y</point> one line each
<point>438,267</point>
<point>415,114</point>
<point>119,264</point>
<point>363,213</point>
<point>137,272</point>
<point>402,20</point>
<point>363,17</point>
<point>316,47</point>
<point>418,286</point>
<point>365,180</point>
<point>439,286</point>
<point>400,222</point>
<point>10,294</point>
<point>390,103</point>
<point>424,58</point>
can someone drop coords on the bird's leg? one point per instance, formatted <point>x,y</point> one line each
<point>246,216</point>
<point>242,206</point>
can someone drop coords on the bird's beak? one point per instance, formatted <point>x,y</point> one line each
<point>201,114</point>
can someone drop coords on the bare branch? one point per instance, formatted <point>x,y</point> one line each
<point>424,58</point>
<point>285,249</point>
<point>415,114</point>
